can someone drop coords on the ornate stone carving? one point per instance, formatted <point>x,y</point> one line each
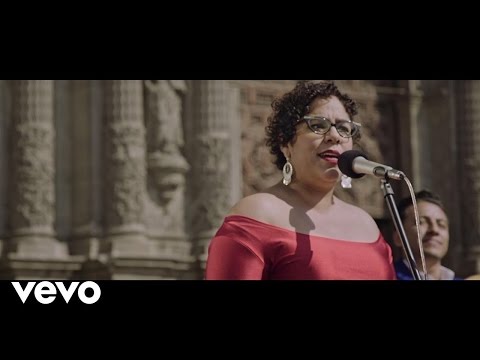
<point>165,139</point>
<point>210,139</point>
<point>32,194</point>
<point>258,167</point>
<point>164,115</point>
<point>124,156</point>
<point>166,164</point>
<point>31,180</point>
<point>212,199</point>
<point>259,172</point>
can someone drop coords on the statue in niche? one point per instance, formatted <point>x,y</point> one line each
<point>165,140</point>
<point>166,176</point>
<point>165,161</point>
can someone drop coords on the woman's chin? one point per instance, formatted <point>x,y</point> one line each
<point>332,174</point>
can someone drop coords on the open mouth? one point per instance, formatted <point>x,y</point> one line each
<point>330,156</point>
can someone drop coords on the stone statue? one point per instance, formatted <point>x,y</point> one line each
<point>165,140</point>
<point>165,161</point>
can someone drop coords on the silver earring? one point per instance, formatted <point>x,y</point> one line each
<point>287,172</point>
<point>346,182</point>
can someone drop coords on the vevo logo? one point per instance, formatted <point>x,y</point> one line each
<point>45,292</point>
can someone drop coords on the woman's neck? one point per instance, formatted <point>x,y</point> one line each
<point>313,197</point>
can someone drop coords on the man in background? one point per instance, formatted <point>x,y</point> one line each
<point>434,234</point>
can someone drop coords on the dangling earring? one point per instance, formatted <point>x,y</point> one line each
<point>287,172</point>
<point>346,182</point>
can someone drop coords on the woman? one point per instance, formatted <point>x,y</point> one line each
<point>298,229</point>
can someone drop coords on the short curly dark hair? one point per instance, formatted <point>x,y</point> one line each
<point>293,106</point>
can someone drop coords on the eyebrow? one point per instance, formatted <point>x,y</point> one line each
<point>325,117</point>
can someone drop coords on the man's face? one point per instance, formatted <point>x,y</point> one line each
<point>434,230</point>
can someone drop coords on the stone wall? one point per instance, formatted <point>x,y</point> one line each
<point>130,179</point>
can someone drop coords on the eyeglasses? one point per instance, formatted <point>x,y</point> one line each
<point>321,125</point>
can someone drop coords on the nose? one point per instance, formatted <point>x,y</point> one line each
<point>432,228</point>
<point>332,136</point>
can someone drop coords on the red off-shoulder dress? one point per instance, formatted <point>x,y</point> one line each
<point>247,249</point>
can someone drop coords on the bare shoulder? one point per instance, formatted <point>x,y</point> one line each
<point>359,217</point>
<point>258,206</point>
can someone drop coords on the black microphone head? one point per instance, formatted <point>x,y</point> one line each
<point>345,163</point>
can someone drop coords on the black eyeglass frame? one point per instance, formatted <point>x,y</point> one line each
<point>309,118</point>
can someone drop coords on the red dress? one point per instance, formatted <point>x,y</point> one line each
<point>247,249</point>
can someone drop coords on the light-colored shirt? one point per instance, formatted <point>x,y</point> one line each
<point>445,273</point>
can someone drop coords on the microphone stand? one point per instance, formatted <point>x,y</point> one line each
<point>388,194</point>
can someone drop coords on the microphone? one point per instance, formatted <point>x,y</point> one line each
<point>355,164</point>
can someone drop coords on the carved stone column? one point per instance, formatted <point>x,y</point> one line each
<point>125,170</point>
<point>469,151</point>
<point>32,250</point>
<point>32,169</point>
<point>209,139</point>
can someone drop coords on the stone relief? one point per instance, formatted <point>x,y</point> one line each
<point>213,193</point>
<point>32,165</point>
<point>33,175</point>
<point>165,161</point>
<point>125,174</point>
<point>124,155</point>
<point>258,168</point>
